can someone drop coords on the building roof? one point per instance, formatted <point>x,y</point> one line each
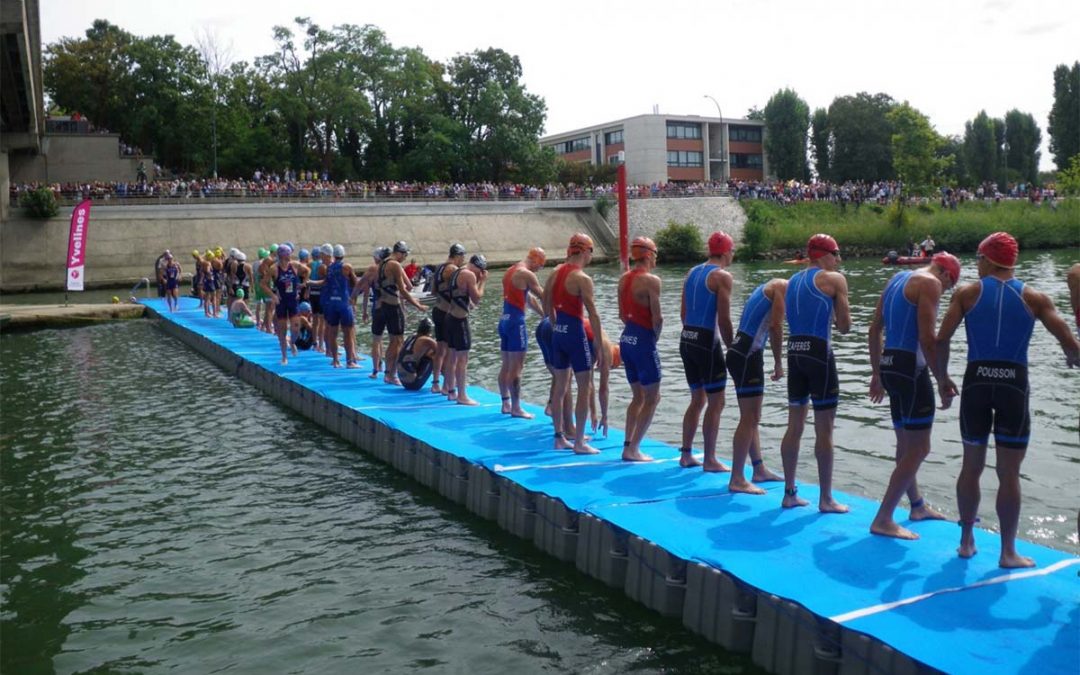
<point>573,133</point>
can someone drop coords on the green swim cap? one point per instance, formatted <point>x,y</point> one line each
<point>273,249</point>
<point>263,253</point>
<point>240,293</point>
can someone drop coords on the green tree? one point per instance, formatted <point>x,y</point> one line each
<point>915,147</point>
<point>861,137</point>
<point>786,120</point>
<point>819,142</point>
<point>1064,123</point>
<point>1022,139</point>
<point>980,148</point>
<point>755,113</point>
<point>955,169</point>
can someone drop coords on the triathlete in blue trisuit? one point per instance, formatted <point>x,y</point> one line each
<point>815,298</point>
<point>283,283</point>
<point>907,312</point>
<point>999,313</point>
<point>336,299</point>
<point>762,320</point>
<point>639,309</point>
<point>170,281</point>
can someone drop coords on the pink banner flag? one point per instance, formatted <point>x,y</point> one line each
<point>76,259</point>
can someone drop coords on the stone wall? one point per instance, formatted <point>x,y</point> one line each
<point>74,158</point>
<point>124,241</point>
<point>646,216</point>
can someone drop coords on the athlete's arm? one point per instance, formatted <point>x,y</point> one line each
<point>535,292</point>
<point>953,316</point>
<point>723,306</point>
<point>841,308</point>
<point>602,391</point>
<point>682,301</point>
<point>926,317</point>
<point>1044,311</point>
<point>546,301</point>
<point>654,286</point>
<point>877,392</point>
<point>406,294</point>
<point>585,288</point>
<point>776,326</point>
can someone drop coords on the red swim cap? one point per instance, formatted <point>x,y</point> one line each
<point>1001,249</point>
<point>949,263</point>
<point>579,243</point>
<point>820,245</point>
<point>720,243</point>
<point>536,256</point>
<point>640,246</point>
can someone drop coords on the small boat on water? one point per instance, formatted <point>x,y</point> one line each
<point>893,259</point>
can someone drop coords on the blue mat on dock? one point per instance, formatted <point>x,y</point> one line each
<point>952,614</point>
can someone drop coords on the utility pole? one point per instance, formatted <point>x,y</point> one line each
<point>723,156</point>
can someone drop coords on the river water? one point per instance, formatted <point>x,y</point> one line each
<point>159,514</point>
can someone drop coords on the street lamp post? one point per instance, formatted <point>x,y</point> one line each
<point>723,157</point>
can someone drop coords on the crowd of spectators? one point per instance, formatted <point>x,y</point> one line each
<point>311,185</point>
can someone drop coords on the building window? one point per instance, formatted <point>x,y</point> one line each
<point>613,159</point>
<point>744,161</point>
<point>685,158</point>
<point>613,137</point>
<point>745,134</point>
<point>683,130</point>
<point>576,145</point>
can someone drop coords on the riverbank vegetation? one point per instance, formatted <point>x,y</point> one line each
<point>872,228</point>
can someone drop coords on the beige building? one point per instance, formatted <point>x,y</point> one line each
<point>669,148</point>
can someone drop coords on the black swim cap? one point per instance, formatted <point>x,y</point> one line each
<point>457,249</point>
<point>479,261</point>
<point>425,326</point>
<point>401,247</point>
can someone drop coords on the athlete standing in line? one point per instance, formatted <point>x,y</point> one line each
<point>639,309</point>
<point>520,288</point>
<point>999,313</point>
<point>762,319</point>
<point>169,280</point>
<point>283,283</point>
<point>815,298</point>
<point>705,311</point>
<point>393,288</point>
<point>266,271</point>
<point>335,296</point>
<point>369,288</point>
<point>440,288</point>
<point>568,294</point>
<point>466,290</point>
<point>907,312</point>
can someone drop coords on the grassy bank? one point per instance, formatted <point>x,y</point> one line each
<point>874,230</point>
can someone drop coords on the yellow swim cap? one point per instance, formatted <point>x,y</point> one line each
<point>195,254</point>
<point>115,300</point>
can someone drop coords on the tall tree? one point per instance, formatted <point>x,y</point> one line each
<point>955,167</point>
<point>980,148</point>
<point>786,120</point>
<point>819,142</point>
<point>1022,139</point>
<point>861,137</point>
<point>1064,123</point>
<point>915,147</point>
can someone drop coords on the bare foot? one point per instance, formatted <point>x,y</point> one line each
<point>715,466</point>
<point>284,361</point>
<point>891,529</point>
<point>739,484</point>
<point>629,455</point>
<point>374,375</point>
<point>687,460</point>
<point>1013,560</point>
<point>967,548</point>
<point>832,506</point>
<point>547,409</point>
<point>562,443</point>
<point>352,364</point>
<point>464,400</point>
<point>436,389</point>
<point>792,501</point>
<point>335,364</point>
<point>924,512</point>
<point>763,475</point>
<point>522,414</point>
<point>505,406</point>
<point>584,448</point>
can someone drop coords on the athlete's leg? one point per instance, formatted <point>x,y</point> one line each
<point>789,453</point>
<point>391,358</point>
<point>650,398</point>
<point>968,495</point>
<point>504,384</point>
<point>689,428</point>
<point>437,366</point>
<point>282,335</point>
<point>1008,505</point>
<point>710,429</point>
<point>560,415</point>
<point>349,337</point>
<point>912,447</point>
<point>584,383</point>
<point>742,442</point>
<point>517,365</point>
<point>824,420</point>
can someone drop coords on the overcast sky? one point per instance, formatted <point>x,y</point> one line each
<point>599,61</point>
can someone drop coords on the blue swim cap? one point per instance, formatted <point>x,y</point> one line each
<point>304,255</point>
<point>304,306</point>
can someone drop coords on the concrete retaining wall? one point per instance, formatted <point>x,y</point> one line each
<point>124,241</point>
<point>708,213</point>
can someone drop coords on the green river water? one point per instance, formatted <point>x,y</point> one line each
<point>161,515</point>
